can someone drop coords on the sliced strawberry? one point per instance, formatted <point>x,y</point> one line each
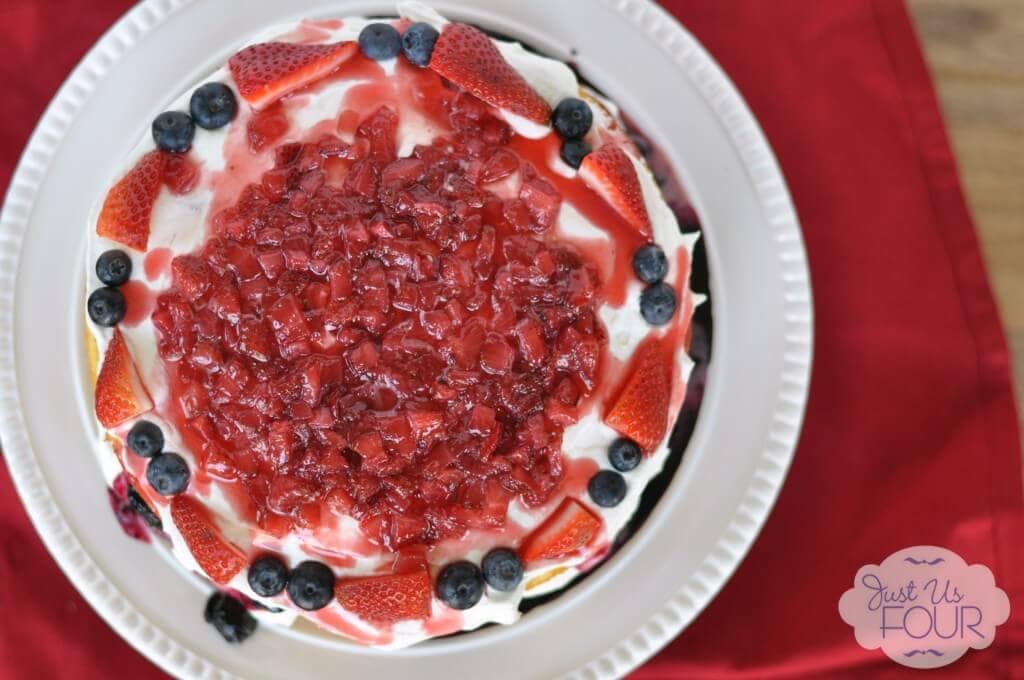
<point>119,392</point>
<point>468,58</point>
<point>611,173</point>
<point>568,530</point>
<point>218,558</point>
<point>129,203</point>
<point>268,71</point>
<point>641,411</point>
<point>386,599</point>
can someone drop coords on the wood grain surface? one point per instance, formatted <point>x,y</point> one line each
<point>976,52</point>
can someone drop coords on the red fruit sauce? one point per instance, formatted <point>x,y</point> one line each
<point>386,338</point>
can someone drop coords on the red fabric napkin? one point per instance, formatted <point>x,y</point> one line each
<point>910,435</point>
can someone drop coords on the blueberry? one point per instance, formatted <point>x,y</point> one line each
<point>311,585</point>
<point>503,570</point>
<point>573,152</point>
<point>229,617</point>
<point>572,118</point>
<point>114,267</point>
<point>624,454</point>
<point>145,439</point>
<point>658,304</point>
<point>418,43</point>
<point>167,473</point>
<point>106,306</point>
<point>143,510</point>
<point>173,131</point>
<point>213,105</point>
<point>650,264</point>
<point>607,488</point>
<point>460,585</point>
<point>268,576</point>
<point>380,41</point>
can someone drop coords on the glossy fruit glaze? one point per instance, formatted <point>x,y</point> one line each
<point>402,340</point>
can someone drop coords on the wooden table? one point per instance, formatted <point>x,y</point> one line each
<point>976,52</point>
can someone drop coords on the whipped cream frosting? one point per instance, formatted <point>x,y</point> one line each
<point>179,224</point>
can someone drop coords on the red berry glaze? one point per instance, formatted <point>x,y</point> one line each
<point>266,72</point>
<point>120,395</point>
<point>611,173</point>
<point>568,530</point>
<point>641,410</point>
<point>467,57</point>
<point>128,206</point>
<point>218,558</point>
<point>387,599</point>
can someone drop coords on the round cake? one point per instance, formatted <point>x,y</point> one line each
<point>389,321</point>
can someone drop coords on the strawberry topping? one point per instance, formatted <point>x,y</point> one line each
<point>268,71</point>
<point>568,530</point>
<point>129,203</point>
<point>610,172</point>
<point>119,393</point>
<point>384,334</point>
<point>386,599</point>
<point>468,58</point>
<point>218,558</point>
<point>641,411</point>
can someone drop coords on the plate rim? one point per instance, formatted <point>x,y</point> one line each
<point>678,610</point>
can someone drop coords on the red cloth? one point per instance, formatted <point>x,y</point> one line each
<point>910,436</point>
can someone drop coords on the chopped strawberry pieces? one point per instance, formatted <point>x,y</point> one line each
<point>610,172</point>
<point>568,530</point>
<point>387,599</point>
<point>128,206</point>
<point>530,336</point>
<point>500,165</point>
<point>181,173</point>
<point>219,559</point>
<point>467,57</point>
<point>288,493</point>
<point>266,72</point>
<point>363,178</point>
<point>497,355</point>
<point>376,333</point>
<point>120,395</point>
<point>191,276</point>
<point>265,128</point>
<point>379,130</point>
<point>641,410</point>
<point>541,198</point>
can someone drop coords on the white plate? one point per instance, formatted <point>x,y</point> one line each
<point>644,595</point>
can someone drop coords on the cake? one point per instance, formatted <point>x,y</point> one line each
<point>389,323</point>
